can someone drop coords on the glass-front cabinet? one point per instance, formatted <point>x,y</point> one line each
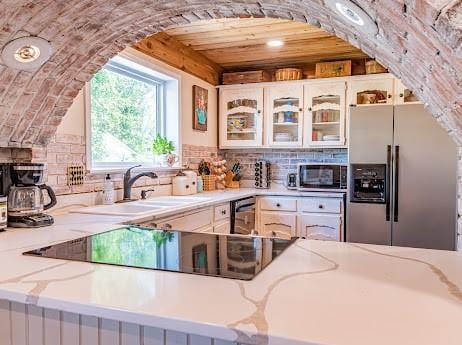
<point>325,114</point>
<point>404,95</point>
<point>241,117</point>
<point>284,115</point>
<point>373,91</point>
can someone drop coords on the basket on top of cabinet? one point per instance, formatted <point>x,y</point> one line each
<point>246,77</point>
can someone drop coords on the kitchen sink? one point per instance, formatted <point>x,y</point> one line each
<point>126,209</point>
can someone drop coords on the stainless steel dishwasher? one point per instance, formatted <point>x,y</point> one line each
<point>243,216</point>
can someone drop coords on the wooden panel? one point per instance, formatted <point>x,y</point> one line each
<point>70,328</point>
<point>89,330</point>
<point>199,340</point>
<point>35,325</point>
<point>238,44</point>
<point>52,327</point>
<point>18,324</point>
<point>176,338</point>
<point>167,49</point>
<point>109,332</point>
<point>129,333</point>
<point>153,336</point>
<point>32,325</point>
<point>5,322</point>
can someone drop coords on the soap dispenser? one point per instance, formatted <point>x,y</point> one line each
<point>108,191</point>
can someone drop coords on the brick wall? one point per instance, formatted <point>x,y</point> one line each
<point>282,161</point>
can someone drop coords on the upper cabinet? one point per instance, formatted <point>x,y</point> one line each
<point>370,91</point>
<point>325,110</point>
<point>284,115</point>
<point>404,95</point>
<point>241,117</point>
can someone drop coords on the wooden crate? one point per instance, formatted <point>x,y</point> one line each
<point>333,69</point>
<point>373,67</point>
<point>246,77</point>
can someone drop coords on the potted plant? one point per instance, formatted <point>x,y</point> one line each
<point>163,149</point>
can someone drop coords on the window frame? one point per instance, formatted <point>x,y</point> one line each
<point>133,56</point>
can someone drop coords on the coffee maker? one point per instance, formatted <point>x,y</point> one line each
<point>22,184</point>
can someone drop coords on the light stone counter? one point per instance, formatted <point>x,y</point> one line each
<point>315,293</point>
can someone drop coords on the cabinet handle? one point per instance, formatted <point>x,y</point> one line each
<point>352,105</point>
<point>278,205</point>
<point>300,109</point>
<point>309,109</point>
<point>259,112</point>
<point>389,96</point>
<point>223,212</point>
<point>321,206</point>
<point>401,95</point>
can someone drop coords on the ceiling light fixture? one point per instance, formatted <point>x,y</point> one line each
<point>26,53</point>
<point>353,15</point>
<point>275,43</point>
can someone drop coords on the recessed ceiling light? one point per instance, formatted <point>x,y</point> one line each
<point>354,15</point>
<point>26,53</point>
<point>275,43</point>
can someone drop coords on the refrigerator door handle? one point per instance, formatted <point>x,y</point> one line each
<point>396,185</point>
<point>387,184</point>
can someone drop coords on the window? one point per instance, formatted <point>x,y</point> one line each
<point>127,110</point>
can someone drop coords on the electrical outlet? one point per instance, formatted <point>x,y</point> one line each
<point>75,175</point>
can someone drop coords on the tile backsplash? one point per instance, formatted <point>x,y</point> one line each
<point>282,161</point>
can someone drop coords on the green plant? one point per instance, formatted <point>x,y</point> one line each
<point>162,145</point>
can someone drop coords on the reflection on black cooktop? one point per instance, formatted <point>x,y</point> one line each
<point>228,256</point>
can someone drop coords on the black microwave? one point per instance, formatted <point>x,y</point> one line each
<point>319,176</point>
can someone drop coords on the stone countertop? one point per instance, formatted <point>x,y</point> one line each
<point>315,293</point>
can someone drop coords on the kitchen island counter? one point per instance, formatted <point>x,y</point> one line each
<point>316,292</point>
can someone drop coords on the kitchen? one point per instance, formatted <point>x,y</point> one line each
<point>48,301</point>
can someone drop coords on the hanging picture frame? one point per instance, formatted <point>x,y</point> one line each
<point>200,108</point>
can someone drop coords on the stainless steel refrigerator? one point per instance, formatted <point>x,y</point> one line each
<point>403,178</point>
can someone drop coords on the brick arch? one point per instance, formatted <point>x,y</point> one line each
<point>419,41</point>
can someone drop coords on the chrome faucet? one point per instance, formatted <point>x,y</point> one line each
<point>129,181</point>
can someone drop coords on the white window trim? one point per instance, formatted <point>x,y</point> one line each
<point>146,61</point>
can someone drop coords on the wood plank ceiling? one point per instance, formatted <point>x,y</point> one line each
<point>208,48</point>
<point>239,44</point>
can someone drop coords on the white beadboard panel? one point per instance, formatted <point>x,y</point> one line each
<point>130,334</point>
<point>109,332</point>
<point>5,325</point>
<point>176,338</point>
<point>153,336</point>
<point>35,325</point>
<point>70,328</point>
<point>199,340</point>
<point>18,324</point>
<point>88,330</point>
<point>52,327</point>
<point>22,324</point>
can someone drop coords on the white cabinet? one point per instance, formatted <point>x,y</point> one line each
<point>325,113</point>
<point>241,117</point>
<point>284,115</point>
<point>321,227</point>
<point>371,90</point>
<point>223,227</point>
<point>403,95</point>
<point>278,224</point>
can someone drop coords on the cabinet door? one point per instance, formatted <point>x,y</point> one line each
<point>278,224</point>
<point>403,95</point>
<point>325,108</point>
<point>284,115</point>
<point>321,227</point>
<point>374,91</point>
<point>207,228</point>
<point>222,227</point>
<point>241,117</point>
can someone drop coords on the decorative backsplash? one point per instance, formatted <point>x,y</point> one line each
<point>282,161</point>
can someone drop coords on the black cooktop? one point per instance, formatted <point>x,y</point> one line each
<point>227,256</point>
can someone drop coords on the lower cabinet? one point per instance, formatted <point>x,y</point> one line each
<point>321,226</point>
<point>222,227</point>
<point>278,224</point>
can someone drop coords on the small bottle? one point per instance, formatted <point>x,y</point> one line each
<point>200,184</point>
<point>108,191</point>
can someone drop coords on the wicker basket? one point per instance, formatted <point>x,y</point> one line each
<point>288,74</point>
<point>373,67</point>
<point>209,182</point>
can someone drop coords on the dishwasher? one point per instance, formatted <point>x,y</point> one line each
<point>243,216</point>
